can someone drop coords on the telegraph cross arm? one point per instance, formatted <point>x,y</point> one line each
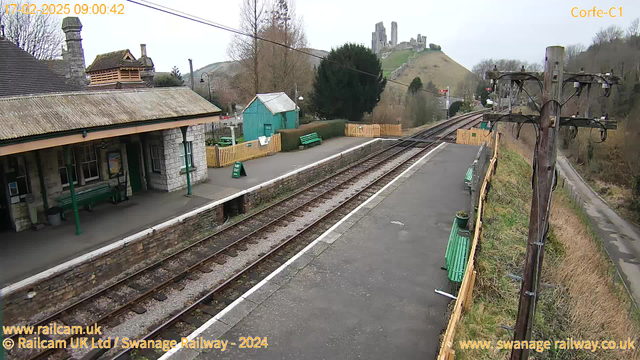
<point>564,120</point>
<point>569,77</point>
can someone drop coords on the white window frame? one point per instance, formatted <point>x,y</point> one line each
<point>64,166</point>
<point>189,152</point>
<point>91,151</point>
<point>156,158</point>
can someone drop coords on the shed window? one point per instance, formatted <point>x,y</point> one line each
<point>189,155</point>
<point>156,157</point>
<point>89,163</point>
<point>62,168</point>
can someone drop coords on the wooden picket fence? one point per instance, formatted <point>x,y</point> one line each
<point>463,302</point>
<point>225,156</point>
<point>372,130</point>
<point>473,136</point>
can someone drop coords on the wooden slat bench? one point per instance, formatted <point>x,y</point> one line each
<point>310,139</point>
<point>468,177</point>
<point>457,253</point>
<point>86,198</point>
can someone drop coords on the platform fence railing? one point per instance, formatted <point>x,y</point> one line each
<point>225,156</point>
<point>463,300</point>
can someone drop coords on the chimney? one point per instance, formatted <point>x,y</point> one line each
<point>143,50</point>
<point>74,56</point>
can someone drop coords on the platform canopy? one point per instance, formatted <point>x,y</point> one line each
<point>64,118</point>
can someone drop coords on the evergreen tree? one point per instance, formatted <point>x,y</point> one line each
<point>415,86</point>
<point>175,72</point>
<point>342,92</point>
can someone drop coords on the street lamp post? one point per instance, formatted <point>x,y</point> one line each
<point>208,83</point>
<point>296,98</point>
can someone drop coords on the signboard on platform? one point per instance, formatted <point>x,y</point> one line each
<point>238,170</point>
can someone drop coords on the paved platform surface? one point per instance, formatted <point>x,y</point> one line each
<point>621,238</point>
<point>29,252</point>
<point>365,289</point>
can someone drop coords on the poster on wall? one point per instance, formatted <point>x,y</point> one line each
<point>13,189</point>
<point>114,162</point>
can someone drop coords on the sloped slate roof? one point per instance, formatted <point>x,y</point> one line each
<point>24,116</point>
<point>21,74</point>
<point>276,102</point>
<point>113,60</point>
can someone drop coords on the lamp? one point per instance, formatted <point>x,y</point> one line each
<point>208,81</point>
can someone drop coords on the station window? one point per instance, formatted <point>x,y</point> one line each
<point>89,162</point>
<point>156,158</point>
<point>189,155</point>
<point>62,168</point>
<point>18,177</point>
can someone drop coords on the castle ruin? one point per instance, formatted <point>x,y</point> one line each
<point>380,43</point>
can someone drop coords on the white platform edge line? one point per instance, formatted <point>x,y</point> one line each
<point>243,297</point>
<point>122,243</point>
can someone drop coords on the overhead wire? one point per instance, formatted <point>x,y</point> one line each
<point>187,16</point>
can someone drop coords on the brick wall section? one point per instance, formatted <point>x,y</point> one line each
<point>77,282</point>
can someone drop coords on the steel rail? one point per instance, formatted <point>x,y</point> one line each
<point>196,304</point>
<point>158,287</point>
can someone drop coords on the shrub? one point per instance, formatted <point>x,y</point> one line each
<point>326,129</point>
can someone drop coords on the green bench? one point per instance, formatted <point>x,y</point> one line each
<point>468,177</point>
<point>225,141</point>
<point>457,253</point>
<point>310,139</point>
<point>86,198</point>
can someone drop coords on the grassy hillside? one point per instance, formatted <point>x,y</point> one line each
<point>434,66</point>
<point>395,60</point>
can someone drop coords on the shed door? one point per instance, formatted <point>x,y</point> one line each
<point>268,130</point>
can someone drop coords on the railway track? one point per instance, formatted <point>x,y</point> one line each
<point>110,305</point>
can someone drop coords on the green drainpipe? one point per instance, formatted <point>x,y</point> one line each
<point>186,157</point>
<point>74,203</point>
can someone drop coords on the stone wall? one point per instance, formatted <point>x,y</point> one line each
<point>172,143</point>
<point>76,282</point>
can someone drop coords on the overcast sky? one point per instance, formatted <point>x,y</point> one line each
<point>467,30</point>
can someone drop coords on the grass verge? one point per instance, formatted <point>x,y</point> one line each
<point>583,302</point>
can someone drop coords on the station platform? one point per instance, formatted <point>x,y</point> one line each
<point>365,288</point>
<point>30,252</point>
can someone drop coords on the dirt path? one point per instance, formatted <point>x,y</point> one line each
<point>620,237</point>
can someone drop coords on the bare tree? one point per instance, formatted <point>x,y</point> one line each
<point>38,34</point>
<point>482,67</point>
<point>246,50</point>
<point>286,68</point>
<point>534,67</point>
<point>571,52</point>
<point>609,34</point>
<point>634,28</point>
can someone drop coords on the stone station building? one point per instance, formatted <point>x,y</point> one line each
<point>132,137</point>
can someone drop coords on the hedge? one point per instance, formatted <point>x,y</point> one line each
<point>326,129</point>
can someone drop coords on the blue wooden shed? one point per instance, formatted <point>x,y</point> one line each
<point>268,113</point>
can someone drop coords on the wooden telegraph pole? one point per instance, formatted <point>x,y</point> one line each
<point>544,177</point>
<point>543,180</point>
